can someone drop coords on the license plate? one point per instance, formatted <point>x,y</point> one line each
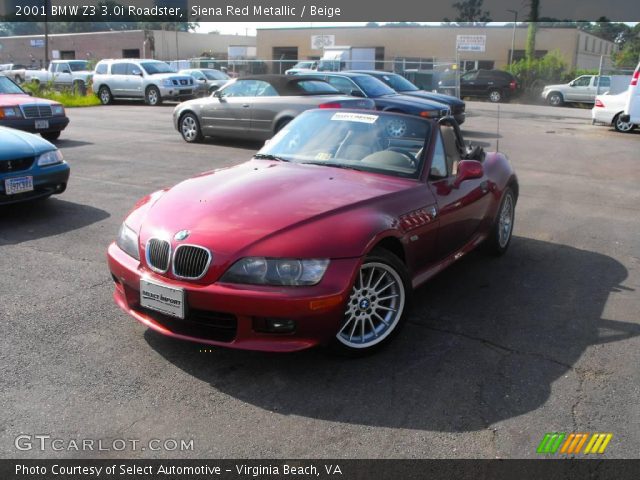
<point>16,185</point>
<point>42,124</point>
<point>163,299</point>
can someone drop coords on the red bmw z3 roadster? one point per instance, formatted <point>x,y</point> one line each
<point>319,239</point>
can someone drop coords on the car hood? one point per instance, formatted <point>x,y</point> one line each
<point>438,97</point>
<point>18,144</point>
<point>230,210</point>
<point>22,99</point>
<point>414,102</point>
<point>559,85</point>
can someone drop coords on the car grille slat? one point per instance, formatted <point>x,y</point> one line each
<point>17,165</point>
<point>158,254</point>
<point>36,111</point>
<point>191,261</point>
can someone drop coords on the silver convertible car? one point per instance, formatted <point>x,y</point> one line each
<point>257,107</point>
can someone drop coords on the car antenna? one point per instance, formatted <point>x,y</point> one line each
<point>498,131</point>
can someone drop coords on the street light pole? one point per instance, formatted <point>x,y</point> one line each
<point>513,36</point>
<point>46,33</point>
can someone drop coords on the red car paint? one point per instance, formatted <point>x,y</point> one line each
<point>274,209</point>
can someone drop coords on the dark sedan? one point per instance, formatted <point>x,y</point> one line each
<point>405,87</point>
<point>387,99</point>
<point>258,106</point>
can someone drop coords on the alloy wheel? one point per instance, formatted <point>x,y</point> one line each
<point>623,127</point>
<point>375,306</point>
<point>505,222</point>
<point>189,128</point>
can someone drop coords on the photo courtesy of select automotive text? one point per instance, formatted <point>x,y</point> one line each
<point>319,239</point>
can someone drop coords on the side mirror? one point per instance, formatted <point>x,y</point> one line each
<point>66,70</point>
<point>572,83</point>
<point>217,94</point>
<point>136,72</point>
<point>356,93</point>
<point>467,170</point>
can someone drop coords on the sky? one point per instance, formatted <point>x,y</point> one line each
<point>249,28</point>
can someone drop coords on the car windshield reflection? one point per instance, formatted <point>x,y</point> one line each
<point>385,143</point>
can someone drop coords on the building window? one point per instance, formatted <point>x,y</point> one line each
<point>67,54</point>
<point>520,54</point>
<point>131,53</point>
<point>380,58</point>
<point>285,58</point>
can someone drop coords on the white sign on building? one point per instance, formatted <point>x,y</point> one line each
<point>471,43</point>
<point>320,42</point>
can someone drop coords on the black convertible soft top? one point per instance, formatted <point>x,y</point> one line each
<point>289,85</point>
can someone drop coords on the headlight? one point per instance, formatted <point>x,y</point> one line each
<point>57,110</point>
<point>276,271</point>
<point>167,82</point>
<point>50,158</point>
<point>10,112</point>
<point>128,241</point>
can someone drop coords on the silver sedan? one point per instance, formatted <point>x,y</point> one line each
<point>257,107</point>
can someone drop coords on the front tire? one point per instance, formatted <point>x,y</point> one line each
<point>377,307</point>
<point>104,94</point>
<point>51,136</point>
<point>152,96</point>
<point>190,128</point>
<point>622,127</point>
<point>502,228</point>
<point>555,99</point>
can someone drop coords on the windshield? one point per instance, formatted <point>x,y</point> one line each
<point>79,66</point>
<point>8,87</point>
<point>372,87</point>
<point>153,68</point>
<point>398,83</point>
<point>215,75</point>
<point>385,143</point>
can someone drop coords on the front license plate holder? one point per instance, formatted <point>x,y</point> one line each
<point>162,298</point>
<point>42,124</point>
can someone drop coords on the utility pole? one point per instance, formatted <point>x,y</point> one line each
<point>513,36</point>
<point>46,33</point>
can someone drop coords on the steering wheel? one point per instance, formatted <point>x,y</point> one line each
<point>401,151</point>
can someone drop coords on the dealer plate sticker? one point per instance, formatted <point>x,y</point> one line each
<point>41,124</point>
<point>354,117</point>
<point>163,299</point>
<point>16,185</point>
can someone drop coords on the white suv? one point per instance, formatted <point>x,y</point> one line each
<point>151,80</point>
<point>632,110</point>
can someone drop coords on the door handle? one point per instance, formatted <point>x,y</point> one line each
<point>245,105</point>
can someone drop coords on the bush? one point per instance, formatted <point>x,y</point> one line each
<point>66,97</point>
<point>535,74</point>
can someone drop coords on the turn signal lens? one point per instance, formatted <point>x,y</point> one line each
<point>330,105</point>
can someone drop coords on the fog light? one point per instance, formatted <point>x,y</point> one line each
<point>273,325</point>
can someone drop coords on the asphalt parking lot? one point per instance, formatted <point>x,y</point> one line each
<point>497,352</point>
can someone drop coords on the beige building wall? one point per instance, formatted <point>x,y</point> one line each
<point>437,42</point>
<point>99,45</point>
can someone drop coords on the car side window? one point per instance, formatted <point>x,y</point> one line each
<point>582,82</point>
<point>438,162</point>
<point>451,149</point>
<point>605,81</point>
<point>343,84</point>
<point>469,76</point>
<point>133,69</point>
<point>264,89</point>
<point>240,88</point>
<point>101,69</point>
<point>119,69</point>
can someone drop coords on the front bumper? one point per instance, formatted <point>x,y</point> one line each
<point>177,93</point>
<point>56,124</point>
<point>227,315</point>
<point>46,181</point>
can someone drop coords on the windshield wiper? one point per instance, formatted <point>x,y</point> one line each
<point>268,156</point>
<point>335,165</point>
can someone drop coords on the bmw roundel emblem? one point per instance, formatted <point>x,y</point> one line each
<point>181,235</point>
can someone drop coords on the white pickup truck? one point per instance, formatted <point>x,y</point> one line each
<point>584,89</point>
<point>62,73</point>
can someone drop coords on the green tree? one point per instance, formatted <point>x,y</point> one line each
<point>534,16</point>
<point>470,13</point>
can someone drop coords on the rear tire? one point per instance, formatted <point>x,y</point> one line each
<point>495,96</point>
<point>622,127</point>
<point>104,94</point>
<point>502,228</point>
<point>377,306</point>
